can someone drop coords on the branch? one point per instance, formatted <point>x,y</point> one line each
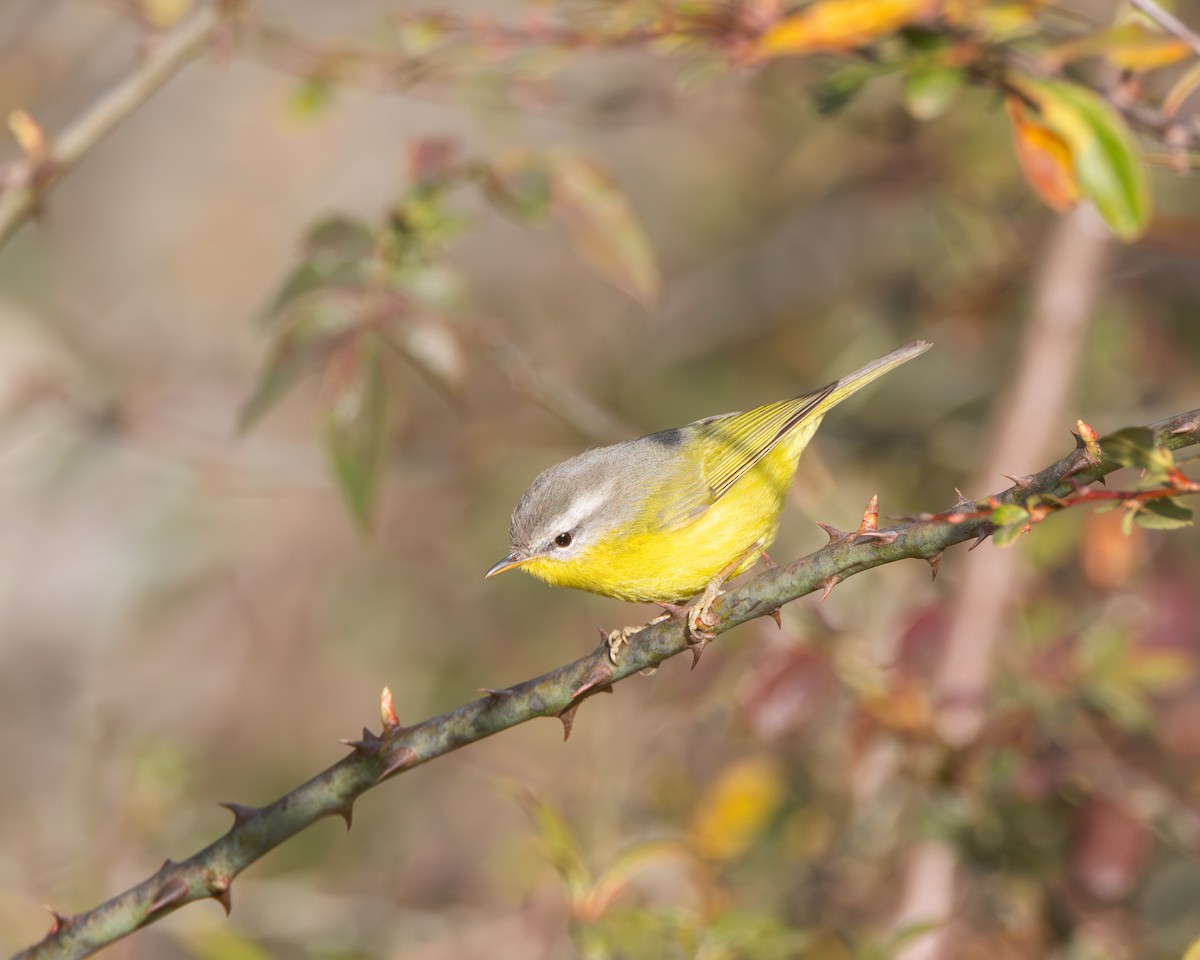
<point>24,183</point>
<point>255,831</point>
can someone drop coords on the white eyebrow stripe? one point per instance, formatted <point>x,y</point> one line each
<point>582,508</point>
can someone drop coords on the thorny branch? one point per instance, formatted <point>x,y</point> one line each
<point>375,758</point>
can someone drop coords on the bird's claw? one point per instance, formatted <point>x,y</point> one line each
<point>618,639</point>
<point>702,623</point>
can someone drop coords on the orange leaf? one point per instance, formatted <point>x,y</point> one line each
<point>1045,159</point>
<point>841,25</point>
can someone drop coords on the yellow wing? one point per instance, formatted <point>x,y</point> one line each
<point>738,441</point>
<point>723,449</point>
<point>734,443</point>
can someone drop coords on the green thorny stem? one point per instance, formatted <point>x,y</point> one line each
<point>375,758</point>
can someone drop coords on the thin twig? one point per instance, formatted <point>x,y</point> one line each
<point>1169,22</point>
<point>255,831</point>
<point>28,180</point>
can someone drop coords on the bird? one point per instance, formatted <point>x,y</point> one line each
<point>670,517</point>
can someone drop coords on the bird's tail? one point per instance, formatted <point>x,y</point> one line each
<point>853,382</point>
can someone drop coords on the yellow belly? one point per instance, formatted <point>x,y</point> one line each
<point>648,563</point>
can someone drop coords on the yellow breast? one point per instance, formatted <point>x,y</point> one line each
<point>648,563</point>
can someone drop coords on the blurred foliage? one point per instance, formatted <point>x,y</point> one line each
<point>772,193</point>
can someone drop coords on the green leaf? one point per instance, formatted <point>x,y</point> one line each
<point>1105,154</point>
<point>299,351</point>
<point>1168,514</point>
<point>1129,447</point>
<point>520,182</point>
<point>1135,447</point>
<point>336,252</point>
<point>843,85</point>
<point>311,97</point>
<point>603,228</point>
<point>1008,513</point>
<point>1006,536</point>
<point>560,847</point>
<point>929,90</point>
<point>356,423</point>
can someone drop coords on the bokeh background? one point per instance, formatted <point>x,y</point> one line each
<point>189,615</point>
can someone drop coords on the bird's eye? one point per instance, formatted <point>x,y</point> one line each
<point>563,540</point>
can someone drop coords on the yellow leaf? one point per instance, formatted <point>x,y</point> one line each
<point>28,135</point>
<point>1129,46</point>
<point>603,228</point>
<point>735,808</point>
<point>1045,159</point>
<point>164,14</point>
<point>1193,952</point>
<point>1160,671</point>
<point>841,25</point>
<point>993,22</point>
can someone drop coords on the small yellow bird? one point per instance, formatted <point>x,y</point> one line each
<point>673,515</point>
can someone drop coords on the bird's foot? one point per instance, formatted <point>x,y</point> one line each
<point>701,621</point>
<point>617,639</point>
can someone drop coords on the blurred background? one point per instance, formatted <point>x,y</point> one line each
<point>189,613</point>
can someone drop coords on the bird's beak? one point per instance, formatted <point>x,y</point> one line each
<point>512,560</point>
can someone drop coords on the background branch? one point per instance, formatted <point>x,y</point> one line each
<point>255,831</point>
<point>26,181</point>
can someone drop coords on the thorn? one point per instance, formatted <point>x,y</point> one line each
<point>173,893</point>
<point>963,499</point>
<point>387,710</point>
<point>1190,427</point>
<point>870,520</point>
<point>833,533</point>
<point>506,692</point>
<point>346,812</point>
<point>166,865</point>
<point>980,537</point>
<point>934,562</point>
<point>567,716</point>
<point>774,615</point>
<point>1078,440</point>
<point>241,812</point>
<point>404,757</point>
<point>598,674</point>
<point>225,899</point>
<point>1021,483</point>
<point>697,647</point>
<point>58,921</point>
<point>603,635</point>
<point>675,611</point>
<point>218,886</point>
<point>767,561</point>
<point>369,742</point>
<point>829,583</point>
